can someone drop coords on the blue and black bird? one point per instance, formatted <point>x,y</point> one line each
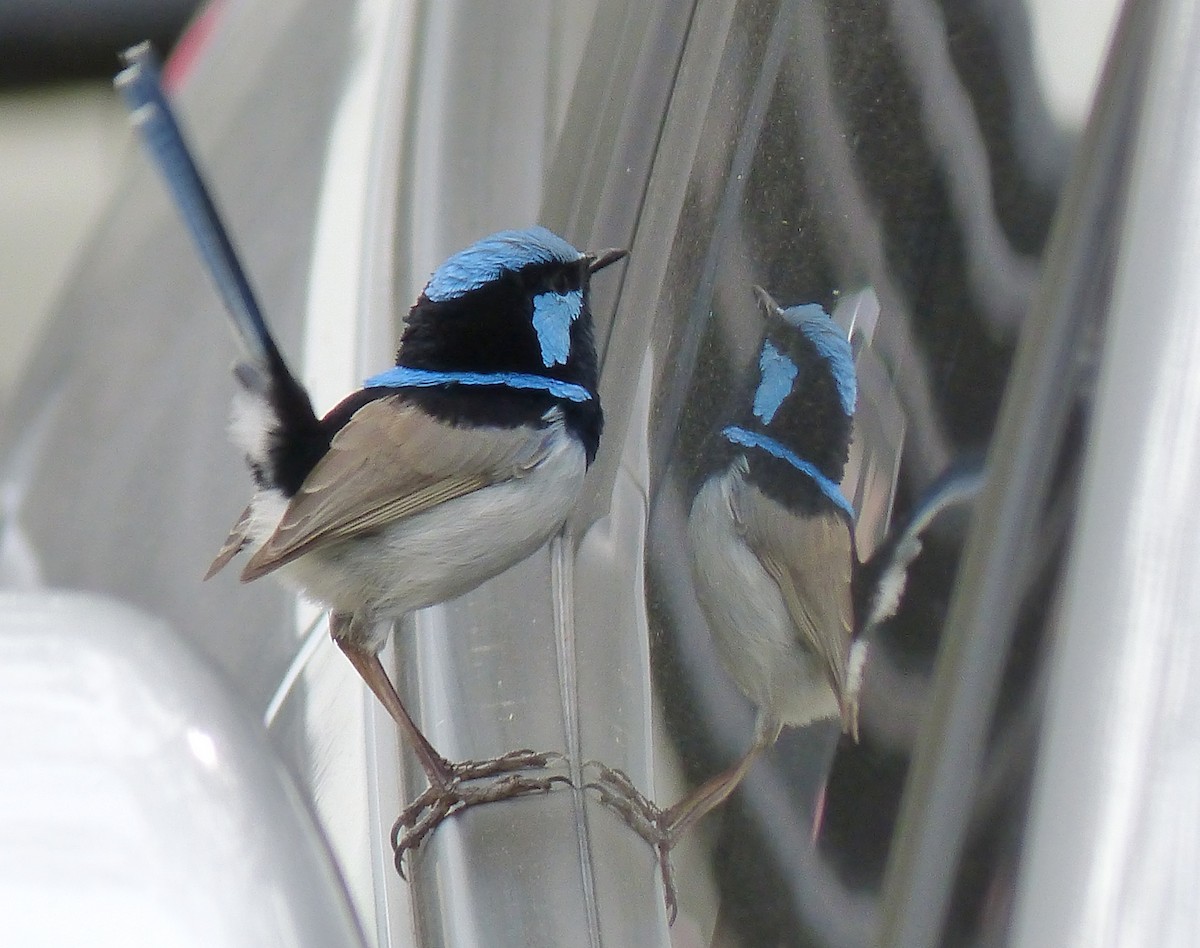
<point>772,536</point>
<point>437,474</point>
<point>772,549</point>
<point>790,607</point>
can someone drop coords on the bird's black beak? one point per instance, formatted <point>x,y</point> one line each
<point>598,261</point>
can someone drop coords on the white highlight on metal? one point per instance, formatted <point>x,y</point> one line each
<point>310,639</point>
<point>350,274</point>
<point>202,746</point>
<point>1068,51</point>
<point>857,313</point>
<point>348,333</point>
<point>1112,856</point>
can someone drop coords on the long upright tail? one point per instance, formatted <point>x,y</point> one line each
<point>294,429</point>
<point>141,86</point>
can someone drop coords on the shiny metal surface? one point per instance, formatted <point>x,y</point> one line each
<point>1114,852</point>
<point>351,745</point>
<point>118,434</point>
<point>138,805</point>
<point>552,654</point>
<point>129,389</point>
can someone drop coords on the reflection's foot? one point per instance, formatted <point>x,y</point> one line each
<point>657,826</point>
<point>457,791</point>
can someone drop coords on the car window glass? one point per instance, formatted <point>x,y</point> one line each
<point>859,156</point>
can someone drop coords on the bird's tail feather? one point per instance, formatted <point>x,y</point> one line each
<point>848,700</point>
<point>140,84</point>
<point>884,576</point>
<point>266,375</point>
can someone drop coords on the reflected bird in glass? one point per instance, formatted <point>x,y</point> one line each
<point>437,475</point>
<point>772,549</point>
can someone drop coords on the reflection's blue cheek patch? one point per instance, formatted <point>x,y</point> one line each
<point>553,314</point>
<point>778,375</point>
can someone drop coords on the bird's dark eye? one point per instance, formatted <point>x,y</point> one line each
<point>560,283</point>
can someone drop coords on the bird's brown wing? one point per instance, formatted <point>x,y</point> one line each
<point>810,559</point>
<point>233,545</point>
<point>388,462</point>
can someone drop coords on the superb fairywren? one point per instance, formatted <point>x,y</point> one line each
<point>777,575</point>
<point>437,474</point>
<point>771,533</point>
<point>772,548</point>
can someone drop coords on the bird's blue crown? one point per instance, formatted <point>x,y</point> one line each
<point>486,259</point>
<point>508,252</point>
<point>831,343</point>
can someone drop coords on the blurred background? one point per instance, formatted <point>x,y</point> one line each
<point>62,138</point>
<point>63,134</point>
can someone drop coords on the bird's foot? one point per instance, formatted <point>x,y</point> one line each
<point>456,791</point>
<point>657,826</point>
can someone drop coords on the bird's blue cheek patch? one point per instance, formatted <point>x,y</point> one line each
<point>553,314</point>
<point>778,375</point>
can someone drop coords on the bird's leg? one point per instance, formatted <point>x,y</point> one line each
<point>710,794</point>
<point>662,828</point>
<point>370,670</point>
<point>446,793</point>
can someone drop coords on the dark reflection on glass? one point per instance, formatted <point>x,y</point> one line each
<point>852,155</point>
<point>770,542</point>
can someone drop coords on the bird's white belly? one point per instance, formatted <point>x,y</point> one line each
<point>757,642</point>
<point>440,553</point>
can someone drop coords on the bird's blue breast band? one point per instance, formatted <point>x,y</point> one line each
<point>778,375</point>
<point>750,439</point>
<point>553,314</point>
<point>486,259</point>
<point>833,346</point>
<point>404,377</point>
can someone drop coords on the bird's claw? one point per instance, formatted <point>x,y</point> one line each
<point>640,813</point>
<point>646,818</point>
<point>437,802</point>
